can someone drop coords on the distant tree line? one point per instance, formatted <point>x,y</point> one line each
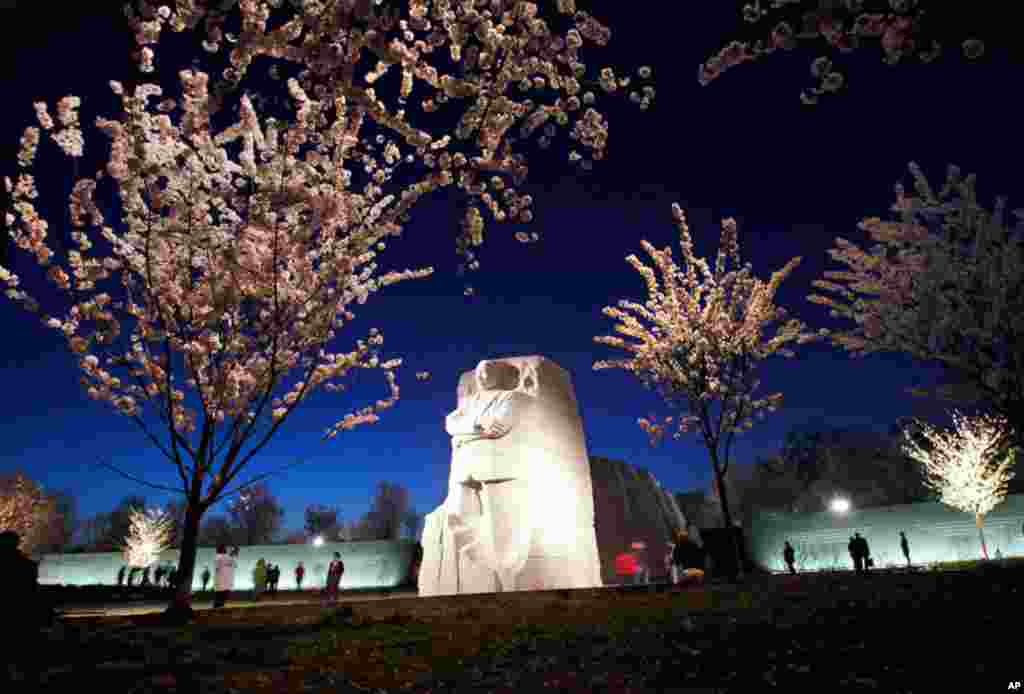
<point>49,522</point>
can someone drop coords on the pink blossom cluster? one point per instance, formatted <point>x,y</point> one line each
<point>330,45</point>
<point>941,283</point>
<point>244,262</point>
<point>24,508</point>
<point>843,28</point>
<point>965,466</point>
<point>697,340</point>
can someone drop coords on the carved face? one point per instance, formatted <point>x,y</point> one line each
<point>497,375</point>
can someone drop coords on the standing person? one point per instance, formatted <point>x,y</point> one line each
<point>274,577</point>
<point>158,575</point>
<point>680,551</point>
<point>865,552</point>
<point>145,577</point>
<point>224,578</point>
<point>854,549</point>
<point>789,556</point>
<point>334,574</point>
<point>172,577</point>
<point>120,576</point>
<point>131,575</point>
<point>300,573</point>
<point>905,547</point>
<point>205,577</point>
<point>259,578</point>
<point>627,568</point>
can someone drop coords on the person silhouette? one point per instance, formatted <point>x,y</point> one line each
<point>20,577</point>
<point>120,576</point>
<point>905,546</point>
<point>789,556</point>
<point>863,551</point>
<point>854,549</point>
<point>205,577</point>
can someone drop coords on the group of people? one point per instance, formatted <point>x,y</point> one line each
<point>860,553</point>
<point>265,577</point>
<point>170,573</point>
<point>684,562</point>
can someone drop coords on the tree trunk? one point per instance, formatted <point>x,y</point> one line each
<point>979,521</point>
<point>180,608</point>
<point>726,516</point>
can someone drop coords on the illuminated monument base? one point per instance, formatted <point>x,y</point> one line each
<point>935,533</point>
<point>367,565</point>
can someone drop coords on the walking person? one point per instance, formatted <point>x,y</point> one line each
<point>224,575</point>
<point>259,578</point>
<point>865,552</point>
<point>205,577</point>
<point>854,549</point>
<point>789,556</point>
<point>905,547</point>
<point>300,573</point>
<point>334,574</point>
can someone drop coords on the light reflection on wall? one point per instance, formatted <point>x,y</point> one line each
<point>935,533</point>
<point>367,565</point>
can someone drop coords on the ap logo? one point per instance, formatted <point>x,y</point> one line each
<point>1015,686</point>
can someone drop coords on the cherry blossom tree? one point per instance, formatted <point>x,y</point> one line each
<point>236,267</point>
<point>900,26</point>
<point>150,535</point>
<point>944,284</point>
<point>699,340</point>
<point>25,509</point>
<point>967,467</point>
<point>496,74</point>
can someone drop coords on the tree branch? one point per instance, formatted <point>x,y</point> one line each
<point>141,481</point>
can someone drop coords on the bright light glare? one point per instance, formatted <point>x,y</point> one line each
<point>840,505</point>
<point>318,541</point>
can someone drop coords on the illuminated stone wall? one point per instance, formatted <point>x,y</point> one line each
<point>367,565</point>
<point>631,506</point>
<point>935,532</point>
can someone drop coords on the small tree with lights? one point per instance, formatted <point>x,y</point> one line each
<point>967,467</point>
<point>25,509</point>
<point>699,341</point>
<point>150,535</point>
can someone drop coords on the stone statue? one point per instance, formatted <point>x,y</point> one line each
<point>519,513</point>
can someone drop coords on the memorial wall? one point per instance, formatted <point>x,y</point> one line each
<point>383,564</point>
<point>935,533</point>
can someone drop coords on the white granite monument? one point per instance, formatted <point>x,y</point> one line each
<point>519,514</point>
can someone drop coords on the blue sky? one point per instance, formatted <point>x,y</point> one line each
<point>743,146</point>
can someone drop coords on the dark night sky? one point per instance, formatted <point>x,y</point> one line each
<point>743,146</point>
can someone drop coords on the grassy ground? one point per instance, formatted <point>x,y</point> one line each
<point>888,632</point>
